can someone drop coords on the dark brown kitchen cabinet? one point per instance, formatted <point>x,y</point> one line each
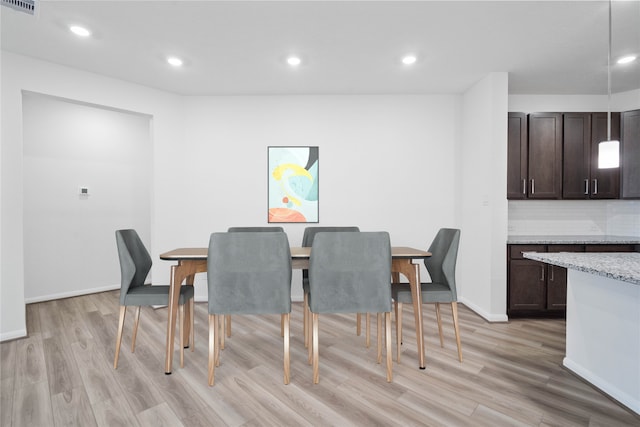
<point>581,178</point>
<point>544,156</point>
<point>517,156</point>
<point>527,286</point>
<point>630,155</point>
<point>536,289</point>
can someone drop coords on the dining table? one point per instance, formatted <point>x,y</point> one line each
<point>191,261</point>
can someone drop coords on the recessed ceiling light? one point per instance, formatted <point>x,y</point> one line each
<point>175,61</point>
<point>79,31</point>
<point>409,60</point>
<point>627,59</point>
<point>294,61</point>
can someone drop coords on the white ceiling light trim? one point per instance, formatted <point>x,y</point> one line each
<point>294,61</point>
<point>175,61</point>
<point>409,59</point>
<point>627,59</point>
<point>79,31</point>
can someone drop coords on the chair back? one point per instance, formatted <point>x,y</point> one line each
<point>254,229</point>
<point>350,272</point>
<point>249,273</point>
<point>310,233</point>
<point>135,261</point>
<point>442,264</point>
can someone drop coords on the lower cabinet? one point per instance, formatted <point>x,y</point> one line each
<point>535,288</point>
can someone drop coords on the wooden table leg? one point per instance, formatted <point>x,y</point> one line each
<point>185,269</point>
<point>174,297</point>
<point>187,327</point>
<point>412,272</point>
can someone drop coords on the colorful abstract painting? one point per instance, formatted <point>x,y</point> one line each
<point>293,184</point>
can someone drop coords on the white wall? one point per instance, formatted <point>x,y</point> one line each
<point>67,145</point>
<point>386,163</point>
<point>482,198</point>
<point>18,74</point>
<point>574,217</point>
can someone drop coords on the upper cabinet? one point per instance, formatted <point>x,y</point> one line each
<point>630,155</point>
<point>534,156</point>
<point>581,178</point>
<point>555,156</point>
<point>517,156</point>
<point>544,156</point>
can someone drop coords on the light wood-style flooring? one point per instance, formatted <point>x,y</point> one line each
<point>62,374</point>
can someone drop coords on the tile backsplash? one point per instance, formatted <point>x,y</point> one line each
<point>574,217</point>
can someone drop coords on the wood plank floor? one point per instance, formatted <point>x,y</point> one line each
<point>62,374</point>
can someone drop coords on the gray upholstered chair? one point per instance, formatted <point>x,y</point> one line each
<point>351,273</point>
<point>135,264</point>
<point>248,273</point>
<point>442,288</point>
<point>227,319</point>
<point>307,241</point>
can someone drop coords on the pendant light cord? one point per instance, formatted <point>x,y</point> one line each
<point>609,79</point>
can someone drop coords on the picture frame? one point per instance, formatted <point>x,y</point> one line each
<point>292,176</point>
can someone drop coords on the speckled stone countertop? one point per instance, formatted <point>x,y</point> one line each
<point>571,240</point>
<point>619,266</point>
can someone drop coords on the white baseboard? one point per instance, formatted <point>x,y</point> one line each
<point>12,335</point>
<point>631,402</point>
<point>489,317</point>
<point>70,294</point>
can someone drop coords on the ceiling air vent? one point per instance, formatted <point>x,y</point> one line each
<point>27,6</point>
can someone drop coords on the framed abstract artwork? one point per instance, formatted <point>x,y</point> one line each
<point>293,184</point>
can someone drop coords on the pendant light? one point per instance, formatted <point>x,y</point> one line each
<point>609,151</point>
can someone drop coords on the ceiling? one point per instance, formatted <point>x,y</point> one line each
<point>347,47</point>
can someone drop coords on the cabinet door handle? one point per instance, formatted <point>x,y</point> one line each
<point>533,186</point>
<point>524,186</point>
<point>551,275</point>
<point>586,186</point>
<point>542,273</point>
<point>595,186</point>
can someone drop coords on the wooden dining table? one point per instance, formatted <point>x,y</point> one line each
<point>190,261</point>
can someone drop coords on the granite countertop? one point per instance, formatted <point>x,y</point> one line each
<point>571,240</point>
<point>619,266</point>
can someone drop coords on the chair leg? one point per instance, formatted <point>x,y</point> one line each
<point>192,341</point>
<point>358,324</point>
<point>181,325</point>
<point>387,327</point>
<point>135,329</point>
<point>222,321</point>
<point>398,306</point>
<point>309,333</point>
<point>219,321</point>
<point>379,337</point>
<point>367,339</point>
<point>454,311</point>
<point>286,322</point>
<point>439,324</point>
<point>227,319</point>
<point>282,326</point>
<point>123,312</point>
<point>314,344</point>
<point>212,338</point>
<point>305,319</point>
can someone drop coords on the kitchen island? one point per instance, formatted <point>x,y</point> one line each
<point>603,320</point>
